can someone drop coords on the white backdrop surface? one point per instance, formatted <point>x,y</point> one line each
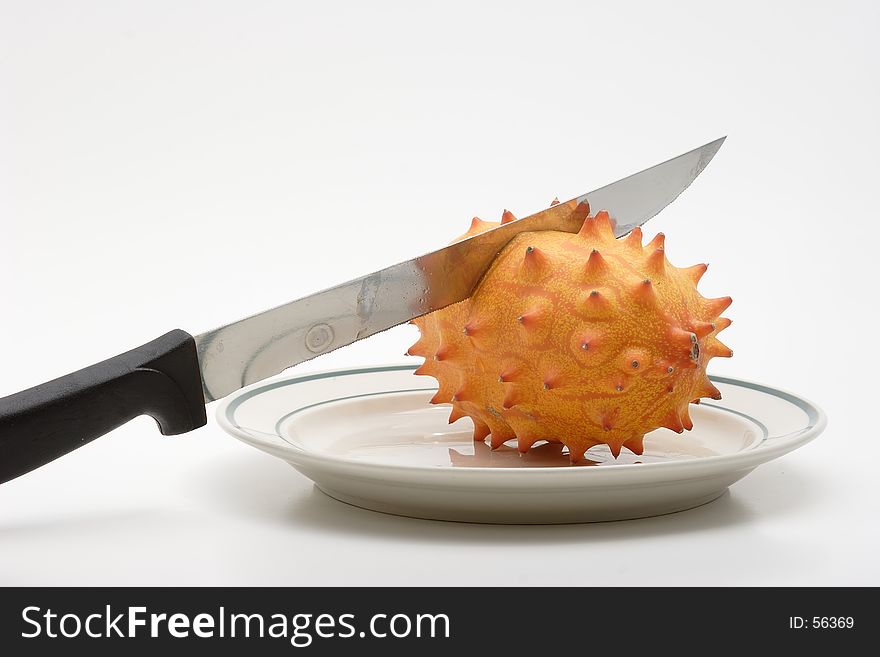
<point>183,164</point>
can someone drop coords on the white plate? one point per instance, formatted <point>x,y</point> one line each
<point>370,438</point>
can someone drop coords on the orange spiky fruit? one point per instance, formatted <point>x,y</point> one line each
<point>581,339</point>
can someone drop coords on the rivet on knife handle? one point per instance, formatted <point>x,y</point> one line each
<point>160,379</point>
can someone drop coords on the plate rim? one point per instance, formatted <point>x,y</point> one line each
<point>275,445</point>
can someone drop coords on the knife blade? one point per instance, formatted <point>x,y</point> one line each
<point>267,343</point>
<point>172,377</point>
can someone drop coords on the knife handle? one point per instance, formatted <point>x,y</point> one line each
<point>161,379</point>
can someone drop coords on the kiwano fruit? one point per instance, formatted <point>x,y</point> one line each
<point>581,339</point>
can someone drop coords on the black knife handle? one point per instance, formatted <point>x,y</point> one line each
<point>160,379</point>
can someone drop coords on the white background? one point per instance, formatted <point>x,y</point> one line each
<point>183,164</point>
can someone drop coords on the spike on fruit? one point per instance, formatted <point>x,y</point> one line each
<point>608,419</point>
<point>456,414</point>
<point>531,318</point>
<point>464,394</point>
<point>555,201</point>
<point>509,374</point>
<point>707,389</point>
<point>552,379</point>
<point>507,216</point>
<point>717,306</point>
<point>658,242</point>
<point>717,348</point>
<point>525,441</point>
<point>513,397</point>
<point>634,361</point>
<point>593,304</point>
<point>656,263</point>
<point>587,343</point>
<point>636,444</point>
<point>644,292</point>
<point>588,228</point>
<point>681,338</point>
<point>696,272</point>
<point>596,264</point>
<point>597,228</point>
<point>500,432</point>
<point>445,352</point>
<point>441,397</point>
<point>535,262</point>
<point>481,430</point>
<point>478,225</point>
<point>580,213</point>
<point>673,422</point>
<point>576,454</point>
<point>604,225</point>
<point>634,239</point>
<point>702,329</point>
<point>551,354</point>
<point>686,418</point>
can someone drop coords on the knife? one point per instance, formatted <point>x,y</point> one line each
<point>175,375</point>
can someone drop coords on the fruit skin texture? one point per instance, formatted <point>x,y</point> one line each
<point>582,339</point>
